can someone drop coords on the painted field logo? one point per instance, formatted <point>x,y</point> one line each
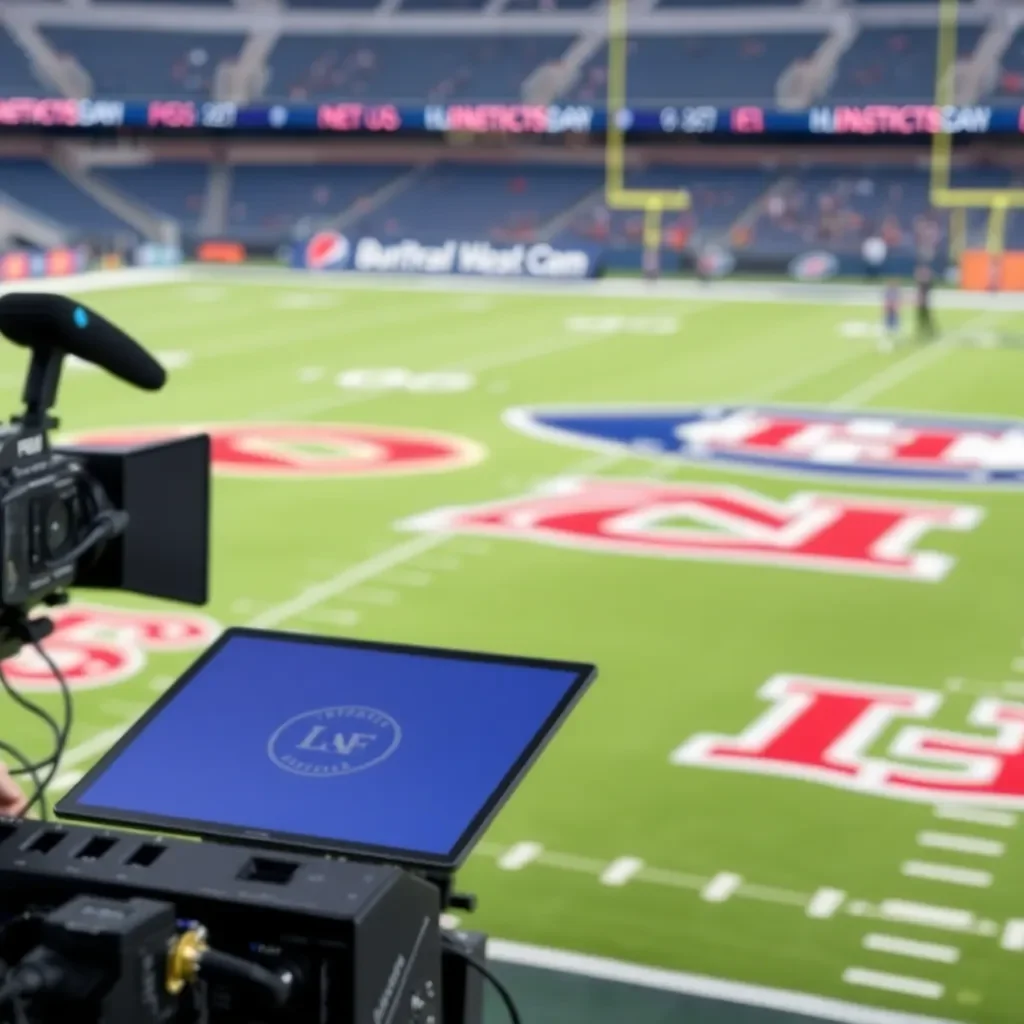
<point>716,523</point>
<point>880,446</point>
<point>821,730</point>
<point>329,742</point>
<point>310,449</point>
<point>94,645</point>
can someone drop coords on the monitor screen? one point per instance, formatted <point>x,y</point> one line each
<point>403,751</point>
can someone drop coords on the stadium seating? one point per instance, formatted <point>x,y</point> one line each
<point>267,201</point>
<point>500,203</point>
<point>404,69</point>
<point>888,65</point>
<point>333,5</point>
<point>715,69</point>
<point>16,74</point>
<point>705,4</point>
<point>834,209</point>
<point>41,187</point>
<point>1010,83</point>
<point>549,5</point>
<point>720,197</point>
<point>175,190</point>
<point>144,64</point>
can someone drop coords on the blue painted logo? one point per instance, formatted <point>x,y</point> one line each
<point>330,742</point>
<point>865,446</point>
<point>81,318</point>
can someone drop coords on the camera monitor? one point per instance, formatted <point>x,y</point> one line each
<point>340,746</point>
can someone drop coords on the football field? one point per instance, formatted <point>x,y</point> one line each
<point>797,561</point>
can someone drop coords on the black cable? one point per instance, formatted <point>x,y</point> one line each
<point>50,764</point>
<point>31,707</point>
<point>65,732</point>
<point>486,973</point>
<point>30,769</point>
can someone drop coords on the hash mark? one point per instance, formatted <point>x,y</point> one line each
<point>825,902</point>
<point>621,870</point>
<point>893,983</point>
<point>721,887</point>
<point>947,873</point>
<point>948,918</point>
<point>898,946</point>
<point>961,844</point>
<point>1013,936</point>
<point>515,858</point>
<point>976,816</point>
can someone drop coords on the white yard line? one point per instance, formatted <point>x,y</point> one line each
<point>894,373</point>
<point>898,983</point>
<point>961,844</point>
<point>975,816</point>
<point>927,916</point>
<point>738,993</point>
<point>895,945</point>
<point>948,873</point>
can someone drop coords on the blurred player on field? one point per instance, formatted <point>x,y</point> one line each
<point>893,305</point>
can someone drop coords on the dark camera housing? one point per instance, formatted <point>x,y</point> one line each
<point>164,487</point>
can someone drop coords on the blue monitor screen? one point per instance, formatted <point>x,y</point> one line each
<point>393,748</point>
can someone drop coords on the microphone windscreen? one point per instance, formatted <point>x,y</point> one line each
<point>40,319</point>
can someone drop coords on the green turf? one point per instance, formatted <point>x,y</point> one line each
<point>683,646</point>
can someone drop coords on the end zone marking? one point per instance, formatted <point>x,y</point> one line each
<point>893,983</point>
<point>515,858</point>
<point>976,816</point>
<point>621,870</point>
<point>947,918</point>
<point>1013,936</point>
<point>825,902</point>
<point>961,844</point>
<point>910,947</point>
<point>946,873</point>
<point>377,596</point>
<point>721,887</point>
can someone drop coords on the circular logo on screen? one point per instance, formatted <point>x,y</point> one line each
<point>334,741</point>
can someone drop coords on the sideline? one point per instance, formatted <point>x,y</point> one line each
<point>780,292</point>
<point>699,985</point>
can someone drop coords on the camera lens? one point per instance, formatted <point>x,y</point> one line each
<point>56,526</point>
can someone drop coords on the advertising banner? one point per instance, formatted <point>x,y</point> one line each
<point>330,250</point>
<point>19,265</point>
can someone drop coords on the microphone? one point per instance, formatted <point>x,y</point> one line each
<point>40,320</point>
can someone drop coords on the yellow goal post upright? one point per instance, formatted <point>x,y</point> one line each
<point>652,202</point>
<point>998,201</point>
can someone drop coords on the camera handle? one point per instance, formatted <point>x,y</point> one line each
<point>41,385</point>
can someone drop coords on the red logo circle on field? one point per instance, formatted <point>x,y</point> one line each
<point>310,449</point>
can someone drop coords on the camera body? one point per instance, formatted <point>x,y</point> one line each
<point>134,518</point>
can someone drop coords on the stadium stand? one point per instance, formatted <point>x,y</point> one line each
<point>894,65</point>
<point>333,5</point>
<point>1010,83</point>
<point>175,190</point>
<point>397,69</point>
<point>147,64</point>
<point>268,201</point>
<point>720,68</point>
<point>720,196</point>
<point>16,74</point>
<point>41,187</point>
<point>499,203</point>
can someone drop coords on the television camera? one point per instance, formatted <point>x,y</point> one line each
<point>278,912</point>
